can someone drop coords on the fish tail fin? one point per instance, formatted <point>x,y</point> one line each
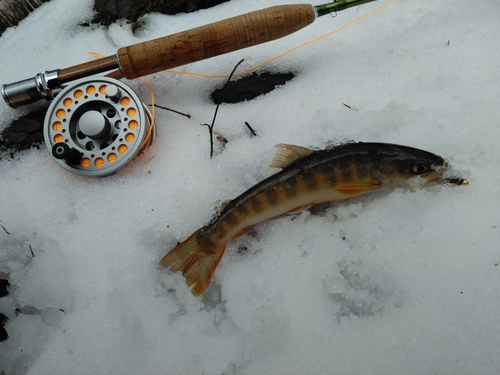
<point>197,258</point>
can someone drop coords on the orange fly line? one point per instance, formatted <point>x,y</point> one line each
<point>173,71</point>
<point>284,53</point>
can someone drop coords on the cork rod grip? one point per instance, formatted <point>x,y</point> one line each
<point>214,39</point>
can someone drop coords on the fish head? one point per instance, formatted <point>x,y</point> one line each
<point>402,166</point>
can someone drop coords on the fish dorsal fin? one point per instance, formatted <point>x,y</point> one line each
<point>222,206</point>
<point>288,154</point>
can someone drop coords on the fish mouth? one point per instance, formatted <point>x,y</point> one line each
<point>424,180</point>
<point>439,175</point>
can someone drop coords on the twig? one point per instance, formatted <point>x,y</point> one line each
<point>172,110</point>
<point>6,231</point>
<point>348,106</point>
<point>32,253</point>
<point>211,127</point>
<point>254,134</point>
<point>151,158</point>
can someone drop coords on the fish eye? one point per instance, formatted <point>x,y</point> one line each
<point>419,167</point>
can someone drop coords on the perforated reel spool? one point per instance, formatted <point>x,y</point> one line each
<point>96,125</point>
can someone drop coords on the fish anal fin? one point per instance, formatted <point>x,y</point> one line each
<point>243,231</point>
<point>300,208</point>
<point>197,258</point>
<point>355,189</point>
<point>288,154</point>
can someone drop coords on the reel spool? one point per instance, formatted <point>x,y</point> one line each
<point>96,125</point>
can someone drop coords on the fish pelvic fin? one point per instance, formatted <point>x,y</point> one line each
<point>197,258</point>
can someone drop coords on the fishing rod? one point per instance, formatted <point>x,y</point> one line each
<point>178,49</point>
<point>96,124</point>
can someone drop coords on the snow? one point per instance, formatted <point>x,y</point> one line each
<point>399,282</point>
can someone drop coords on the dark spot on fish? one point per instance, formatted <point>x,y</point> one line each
<point>362,171</point>
<point>271,196</point>
<point>218,231</point>
<point>242,209</point>
<point>229,217</point>
<point>331,177</point>
<point>256,204</point>
<point>346,174</point>
<point>291,187</point>
<point>309,180</point>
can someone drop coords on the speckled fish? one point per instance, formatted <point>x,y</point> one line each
<point>308,178</point>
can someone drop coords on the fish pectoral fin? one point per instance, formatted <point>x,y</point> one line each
<point>355,189</point>
<point>197,260</point>
<point>288,154</point>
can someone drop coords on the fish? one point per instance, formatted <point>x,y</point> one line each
<point>308,177</point>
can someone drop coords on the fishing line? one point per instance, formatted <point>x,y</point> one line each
<point>255,67</point>
<point>225,75</point>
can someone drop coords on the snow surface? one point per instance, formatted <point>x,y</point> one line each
<point>401,282</point>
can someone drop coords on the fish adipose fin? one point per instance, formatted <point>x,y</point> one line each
<point>288,154</point>
<point>197,259</point>
<point>355,189</point>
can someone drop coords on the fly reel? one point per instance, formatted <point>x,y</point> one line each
<point>96,125</point>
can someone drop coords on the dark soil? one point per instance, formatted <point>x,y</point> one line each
<point>4,290</point>
<point>23,133</point>
<point>3,333</point>
<point>107,12</point>
<point>4,287</point>
<point>250,87</point>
